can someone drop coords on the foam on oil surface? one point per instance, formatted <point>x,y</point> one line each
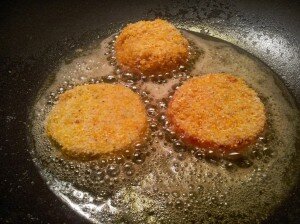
<point>164,181</point>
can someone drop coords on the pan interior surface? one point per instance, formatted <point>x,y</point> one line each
<point>37,37</point>
<point>160,182</point>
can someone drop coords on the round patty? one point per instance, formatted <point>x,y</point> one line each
<point>98,118</point>
<point>151,47</point>
<point>217,111</point>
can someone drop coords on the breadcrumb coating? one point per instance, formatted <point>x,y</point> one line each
<point>217,111</point>
<point>151,47</point>
<point>98,118</point>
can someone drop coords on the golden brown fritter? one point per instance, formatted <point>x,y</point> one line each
<point>217,111</point>
<point>99,118</point>
<point>151,47</point>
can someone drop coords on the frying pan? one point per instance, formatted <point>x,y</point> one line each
<point>36,35</point>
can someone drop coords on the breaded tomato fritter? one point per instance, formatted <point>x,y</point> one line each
<point>217,111</point>
<point>151,47</point>
<point>99,118</point>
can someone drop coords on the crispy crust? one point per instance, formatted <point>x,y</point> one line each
<point>217,111</point>
<point>99,118</point>
<point>151,47</point>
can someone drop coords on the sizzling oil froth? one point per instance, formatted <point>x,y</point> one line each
<point>165,181</point>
